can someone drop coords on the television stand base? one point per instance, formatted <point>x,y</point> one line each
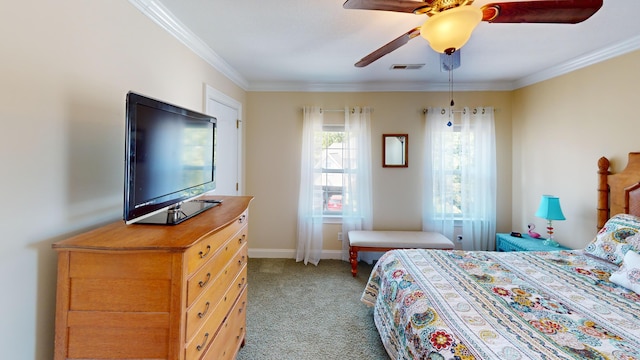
<point>179,212</point>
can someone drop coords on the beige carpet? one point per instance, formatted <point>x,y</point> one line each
<point>308,312</point>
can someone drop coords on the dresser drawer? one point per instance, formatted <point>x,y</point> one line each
<point>231,334</point>
<point>201,280</point>
<point>203,307</point>
<point>200,253</point>
<point>197,345</point>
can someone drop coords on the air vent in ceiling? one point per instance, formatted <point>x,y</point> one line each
<point>406,66</point>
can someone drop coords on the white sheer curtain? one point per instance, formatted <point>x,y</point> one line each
<point>357,207</point>
<point>437,195</point>
<point>473,150</point>
<point>309,247</point>
<point>478,179</point>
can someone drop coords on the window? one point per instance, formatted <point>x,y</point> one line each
<point>330,183</point>
<point>460,176</point>
<point>335,178</point>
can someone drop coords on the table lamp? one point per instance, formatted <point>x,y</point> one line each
<point>550,210</point>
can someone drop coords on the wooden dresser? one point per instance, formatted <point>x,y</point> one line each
<point>155,291</point>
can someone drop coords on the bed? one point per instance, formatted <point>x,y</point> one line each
<point>567,304</point>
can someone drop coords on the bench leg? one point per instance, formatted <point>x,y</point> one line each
<point>353,259</point>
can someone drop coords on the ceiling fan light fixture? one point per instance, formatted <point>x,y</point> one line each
<point>452,28</point>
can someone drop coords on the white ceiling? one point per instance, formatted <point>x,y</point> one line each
<point>312,45</point>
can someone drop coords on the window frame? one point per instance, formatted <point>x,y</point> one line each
<point>331,216</point>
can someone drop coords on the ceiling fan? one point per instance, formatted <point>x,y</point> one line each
<point>451,22</point>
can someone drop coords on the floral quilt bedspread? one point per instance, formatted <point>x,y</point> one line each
<point>434,304</point>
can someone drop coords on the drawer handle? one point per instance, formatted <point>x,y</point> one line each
<point>241,283</point>
<point>241,219</point>
<point>201,346</point>
<point>204,254</point>
<point>206,310</point>
<point>203,283</point>
<point>240,240</point>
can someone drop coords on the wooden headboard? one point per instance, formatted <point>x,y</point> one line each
<point>618,193</point>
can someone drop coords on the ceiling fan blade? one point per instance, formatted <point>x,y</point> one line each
<point>408,6</point>
<point>389,47</point>
<point>541,11</point>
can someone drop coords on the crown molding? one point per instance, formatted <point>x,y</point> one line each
<point>387,86</point>
<point>580,62</point>
<point>167,21</point>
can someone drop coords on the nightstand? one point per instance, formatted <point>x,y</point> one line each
<point>506,242</point>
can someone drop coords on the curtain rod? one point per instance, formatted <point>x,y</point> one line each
<point>443,111</point>
<point>353,110</point>
<point>336,110</point>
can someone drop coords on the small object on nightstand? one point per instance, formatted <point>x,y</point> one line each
<point>532,233</point>
<point>516,234</point>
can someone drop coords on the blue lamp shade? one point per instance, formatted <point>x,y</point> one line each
<point>549,208</point>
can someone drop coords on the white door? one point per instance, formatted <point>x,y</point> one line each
<point>228,114</point>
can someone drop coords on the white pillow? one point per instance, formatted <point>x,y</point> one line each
<point>628,275</point>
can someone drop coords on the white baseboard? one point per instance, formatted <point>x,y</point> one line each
<point>332,254</point>
<point>272,253</point>
<point>289,254</point>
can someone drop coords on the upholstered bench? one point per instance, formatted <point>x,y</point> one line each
<point>371,240</point>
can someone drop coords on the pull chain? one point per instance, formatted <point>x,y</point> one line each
<point>452,103</point>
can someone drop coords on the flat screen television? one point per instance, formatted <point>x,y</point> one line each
<point>170,155</point>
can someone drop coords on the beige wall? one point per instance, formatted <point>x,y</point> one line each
<point>550,136</point>
<point>66,67</point>
<point>561,127</point>
<point>274,129</point>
